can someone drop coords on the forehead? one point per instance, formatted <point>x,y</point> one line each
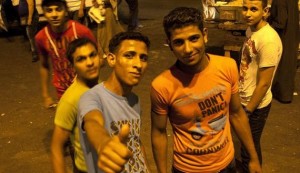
<point>253,2</point>
<point>84,50</point>
<point>53,6</point>
<point>185,32</point>
<point>132,45</point>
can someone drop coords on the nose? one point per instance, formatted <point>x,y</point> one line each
<point>54,14</point>
<point>89,61</point>
<point>188,48</point>
<point>137,63</point>
<point>247,13</point>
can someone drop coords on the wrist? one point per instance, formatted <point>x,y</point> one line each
<point>247,111</point>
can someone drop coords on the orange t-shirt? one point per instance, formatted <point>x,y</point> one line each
<point>198,109</point>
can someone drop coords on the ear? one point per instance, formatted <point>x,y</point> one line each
<point>169,44</point>
<point>205,35</point>
<point>266,13</point>
<point>111,59</point>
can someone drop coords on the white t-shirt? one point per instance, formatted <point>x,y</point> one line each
<point>262,48</point>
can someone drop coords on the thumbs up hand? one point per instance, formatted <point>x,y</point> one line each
<point>114,154</point>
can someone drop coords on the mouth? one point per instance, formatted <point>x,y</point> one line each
<point>55,21</point>
<point>91,71</point>
<point>136,74</point>
<point>191,57</point>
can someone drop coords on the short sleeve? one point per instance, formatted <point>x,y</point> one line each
<point>234,76</point>
<point>65,116</point>
<point>88,102</point>
<point>268,55</point>
<point>159,104</point>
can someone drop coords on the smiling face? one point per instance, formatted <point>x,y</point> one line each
<point>55,15</point>
<point>86,62</point>
<point>129,61</point>
<point>188,45</point>
<point>254,13</point>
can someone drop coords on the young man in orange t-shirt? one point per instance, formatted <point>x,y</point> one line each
<point>199,95</point>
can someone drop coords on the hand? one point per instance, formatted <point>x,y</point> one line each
<point>49,103</point>
<point>80,13</point>
<point>114,154</point>
<point>29,21</point>
<point>254,166</point>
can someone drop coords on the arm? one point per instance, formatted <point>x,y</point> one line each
<point>240,124</point>
<point>112,152</point>
<point>44,72</point>
<point>81,9</point>
<point>59,138</point>
<point>264,79</point>
<point>159,141</point>
<point>30,11</point>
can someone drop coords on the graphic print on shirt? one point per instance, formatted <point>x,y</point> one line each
<point>209,120</point>
<point>61,65</point>
<point>137,162</point>
<point>249,53</point>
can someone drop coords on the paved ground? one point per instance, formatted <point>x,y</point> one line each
<point>26,127</point>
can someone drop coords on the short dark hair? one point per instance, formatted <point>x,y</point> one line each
<point>116,40</point>
<point>264,3</point>
<point>181,17</point>
<point>76,44</point>
<point>46,3</point>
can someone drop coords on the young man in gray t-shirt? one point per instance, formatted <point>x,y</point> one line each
<point>109,113</point>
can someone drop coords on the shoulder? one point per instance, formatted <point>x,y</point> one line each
<point>94,92</point>
<point>74,92</point>
<point>221,61</point>
<point>40,34</point>
<point>79,25</point>
<point>163,79</point>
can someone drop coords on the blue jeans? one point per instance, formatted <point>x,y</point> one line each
<point>257,121</point>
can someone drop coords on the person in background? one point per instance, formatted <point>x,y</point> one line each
<point>86,5</point>
<point>109,27</point>
<point>109,113</point>
<point>199,95</point>
<point>284,18</point>
<point>51,44</point>
<point>83,55</point>
<point>260,56</point>
<point>76,10</point>
<point>29,18</point>
<point>133,20</point>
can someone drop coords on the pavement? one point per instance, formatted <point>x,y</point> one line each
<point>26,126</point>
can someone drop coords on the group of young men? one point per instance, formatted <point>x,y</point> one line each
<point>203,95</point>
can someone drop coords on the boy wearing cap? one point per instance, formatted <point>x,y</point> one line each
<point>52,42</point>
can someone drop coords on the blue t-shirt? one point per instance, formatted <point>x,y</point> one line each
<point>116,111</point>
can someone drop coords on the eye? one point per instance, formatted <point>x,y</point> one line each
<point>177,42</point>
<point>194,38</point>
<point>253,9</point>
<point>144,58</point>
<point>245,8</point>
<point>48,10</point>
<point>59,9</point>
<point>129,55</point>
<point>80,59</point>
<point>93,54</point>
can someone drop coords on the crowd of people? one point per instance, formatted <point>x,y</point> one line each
<point>102,119</point>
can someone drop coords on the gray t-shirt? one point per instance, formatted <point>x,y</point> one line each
<point>116,111</point>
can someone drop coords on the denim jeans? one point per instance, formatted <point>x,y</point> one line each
<point>257,121</point>
<point>229,169</point>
